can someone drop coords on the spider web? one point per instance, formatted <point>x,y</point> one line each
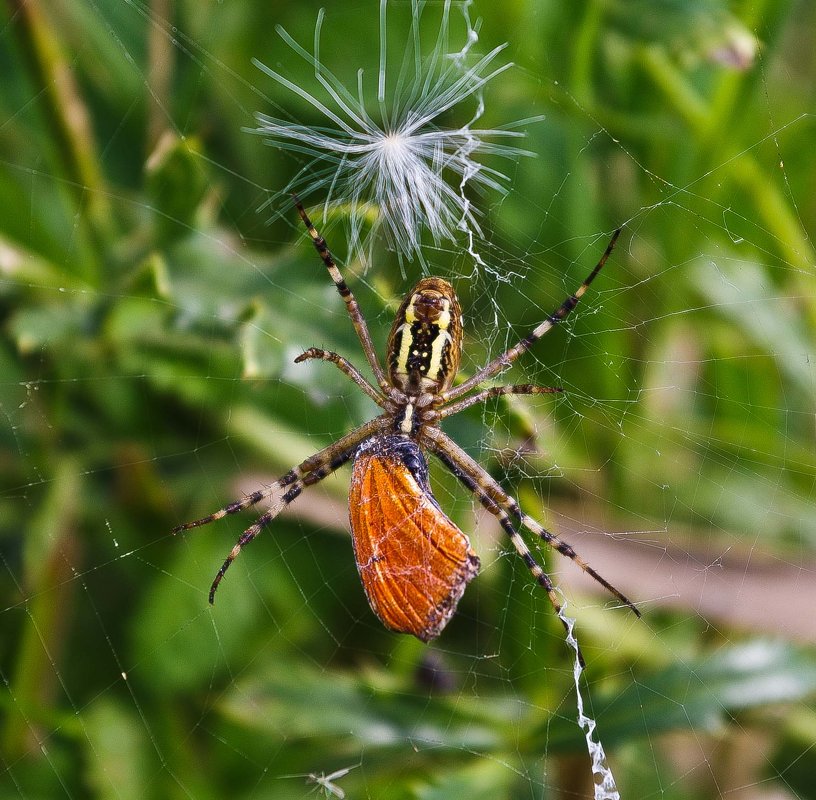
<point>151,314</point>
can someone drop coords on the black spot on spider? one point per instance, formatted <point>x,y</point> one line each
<point>291,494</point>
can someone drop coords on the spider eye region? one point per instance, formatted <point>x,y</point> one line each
<point>414,562</point>
<point>425,344</point>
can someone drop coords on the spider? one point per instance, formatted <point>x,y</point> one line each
<point>413,561</point>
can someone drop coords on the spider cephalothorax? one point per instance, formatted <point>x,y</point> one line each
<point>425,343</point>
<point>414,562</point>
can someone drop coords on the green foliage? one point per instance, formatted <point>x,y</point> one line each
<point>150,315</point>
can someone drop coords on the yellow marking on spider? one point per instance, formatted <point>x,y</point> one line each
<point>439,342</point>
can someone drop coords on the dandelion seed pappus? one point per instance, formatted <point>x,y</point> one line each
<point>414,562</point>
<point>397,162</point>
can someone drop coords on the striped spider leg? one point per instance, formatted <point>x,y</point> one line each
<point>503,361</point>
<point>503,506</point>
<point>307,473</point>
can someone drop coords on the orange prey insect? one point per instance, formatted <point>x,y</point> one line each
<point>413,561</point>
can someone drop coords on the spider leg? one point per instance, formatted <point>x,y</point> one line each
<point>566,550</point>
<point>353,308</point>
<point>247,501</point>
<point>346,367</point>
<point>497,391</point>
<point>500,504</point>
<point>290,496</point>
<point>507,358</point>
<point>350,440</point>
<point>306,474</point>
<point>477,482</point>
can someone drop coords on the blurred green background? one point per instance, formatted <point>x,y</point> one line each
<point>150,315</point>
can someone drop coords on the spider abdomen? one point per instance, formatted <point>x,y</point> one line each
<point>425,344</point>
<point>414,562</point>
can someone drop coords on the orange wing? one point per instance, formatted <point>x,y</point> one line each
<point>413,561</point>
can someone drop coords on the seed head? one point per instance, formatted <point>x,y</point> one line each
<point>398,168</point>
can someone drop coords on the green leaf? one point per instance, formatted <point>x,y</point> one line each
<point>742,291</point>
<point>117,748</point>
<point>703,695</point>
<point>301,702</point>
<point>483,779</point>
<point>176,183</point>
